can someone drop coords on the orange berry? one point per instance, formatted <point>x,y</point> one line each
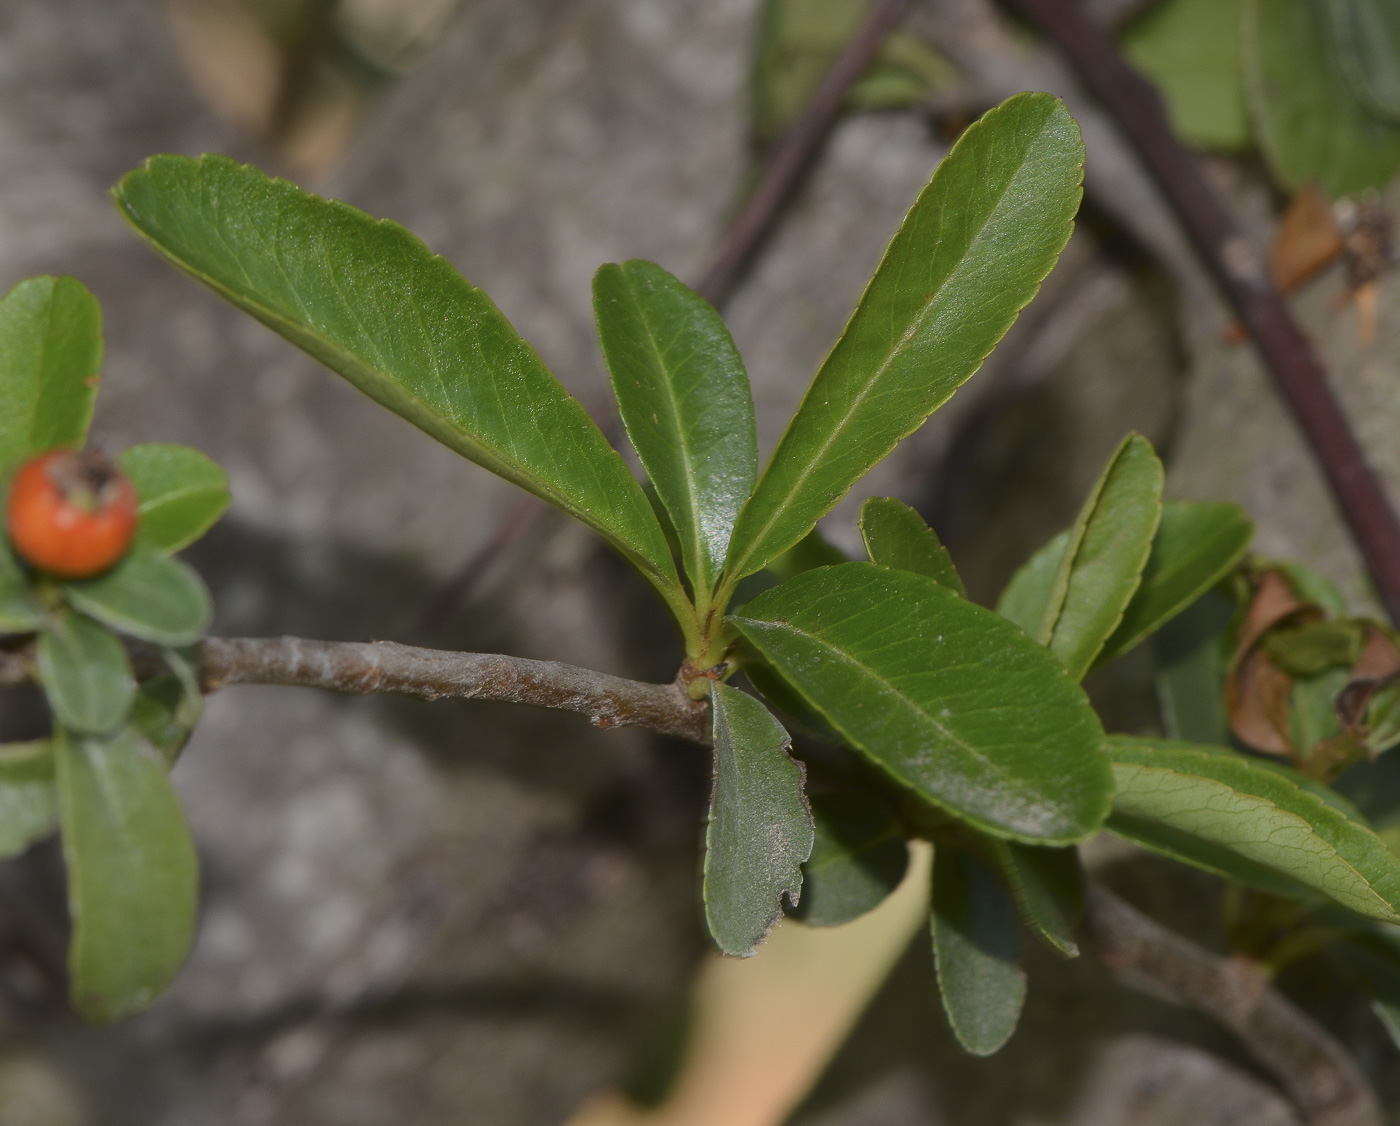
<point>71,513</point>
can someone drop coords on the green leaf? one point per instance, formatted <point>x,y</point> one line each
<point>760,828</point>
<point>1197,544</point>
<point>180,493</point>
<point>168,706</point>
<point>28,802</point>
<point>1389,1016</point>
<point>1048,888</point>
<point>132,873</point>
<point>1025,597</point>
<point>798,41</point>
<point>1191,51</point>
<point>20,610</point>
<point>976,944</point>
<point>971,253</point>
<point>147,595</point>
<point>369,301</point>
<point>1104,556</point>
<point>1316,647</point>
<point>1227,815</point>
<point>1192,661</point>
<point>85,673</point>
<point>684,398</point>
<point>858,858</point>
<point>946,697</point>
<point>1306,117</point>
<point>896,536</point>
<point>50,349</point>
<point>1368,36</point>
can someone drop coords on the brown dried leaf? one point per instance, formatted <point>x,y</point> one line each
<point>1256,691</point>
<point>1307,239</point>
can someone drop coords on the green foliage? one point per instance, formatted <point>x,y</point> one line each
<point>971,253</point>
<point>1368,36</point>
<point>20,608</point>
<point>858,857</point>
<point>1191,662</point>
<point>976,945</point>
<point>760,827</point>
<point>1048,888</point>
<point>1196,545</point>
<point>147,595</point>
<point>943,695</point>
<point>50,349</point>
<point>798,42</point>
<point>372,303</point>
<point>1191,51</point>
<point>1250,823</point>
<point>684,398</point>
<point>1308,121</point>
<point>179,492</point>
<point>28,803</point>
<point>1103,558</point>
<point>132,872</point>
<point>85,673</point>
<point>896,536</point>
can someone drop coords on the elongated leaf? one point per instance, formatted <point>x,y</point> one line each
<point>168,706</point>
<point>50,349</point>
<point>1104,557</point>
<point>147,595</point>
<point>370,302</point>
<point>1308,121</point>
<point>760,828</point>
<point>948,698</point>
<point>976,943</point>
<point>1197,544</point>
<point>1223,813</point>
<point>132,873</point>
<point>684,398</point>
<point>1048,888</point>
<point>1191,51</point>
<point>1191,668</point>
<point>858,858</point>
<point>971,253</point>
<point>179,491</point>
<point>896,536</point>
<point>85,673</point>
<point>20,610</point>
<point>28,802</point>
<point>1368,36</point>
<point>1026,595</point>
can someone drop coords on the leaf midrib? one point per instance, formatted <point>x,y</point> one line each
<point>837,431</point>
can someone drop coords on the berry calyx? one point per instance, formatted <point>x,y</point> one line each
<point>70,513</point>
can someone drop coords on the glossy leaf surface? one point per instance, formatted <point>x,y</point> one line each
<point>971,253</point>
<point>28,801</point>
<point>1104,556</point>
<point>179,493</point>
<point>85,673</point>
<point>132,873</point>
<point>684,398</point>
<point>760,828</point>
<point>1218,811</point>
<point>976,944</point>
<point>50,349</point>
<point>1308,121</point>
<point>1048,890</point>
<point>858,858</point>
<point>369,301</point>
<point>1197,544</point>
<point>147,595</point>
<point>896,536</point>
<point>948,698</point>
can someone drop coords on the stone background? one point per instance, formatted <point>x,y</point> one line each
<point>457,913</point>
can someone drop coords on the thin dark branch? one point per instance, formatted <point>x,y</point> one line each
<point>793,152</point>
<point>1308,1062</point>
<point>1240,271</point>
<point>432,674</point>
